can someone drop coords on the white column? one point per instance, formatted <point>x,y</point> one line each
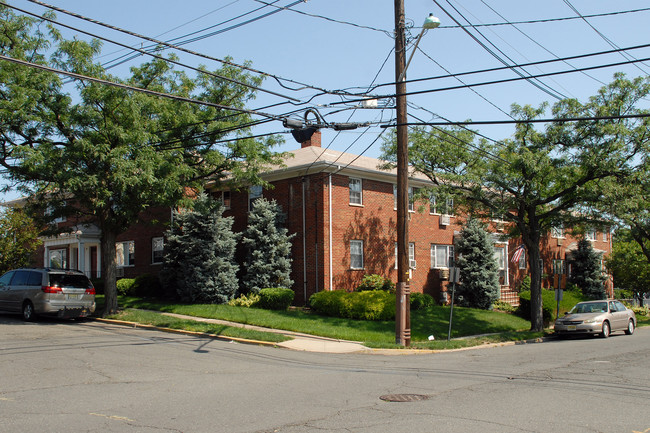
<point>81,257</point>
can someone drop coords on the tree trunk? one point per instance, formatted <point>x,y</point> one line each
<point>536,311</point>
<point>109,265</point>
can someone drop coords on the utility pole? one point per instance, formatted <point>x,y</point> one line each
<point>403,308</point>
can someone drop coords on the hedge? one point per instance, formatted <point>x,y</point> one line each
<point>366,305</point>
<point>274,298</point>
<point>549,304</point>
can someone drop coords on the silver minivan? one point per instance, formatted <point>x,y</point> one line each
<point>56,292</point>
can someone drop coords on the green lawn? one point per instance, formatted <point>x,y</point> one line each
<point>433,321</point>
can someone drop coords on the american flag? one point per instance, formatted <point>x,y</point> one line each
<point>517,254</point>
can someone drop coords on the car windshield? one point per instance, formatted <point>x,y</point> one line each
<point>591,307</point>
<point>69,280</point>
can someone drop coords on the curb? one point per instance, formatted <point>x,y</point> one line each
<point>136,325</point>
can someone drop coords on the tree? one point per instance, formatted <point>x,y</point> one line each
<point>199,261</point>
<point>539,179</point>
<point>586,271</point>
<point>268,248</point>
<point>18,239</point>
<point>479,272</point>
<point>629,265</point>
<point>105,153</point>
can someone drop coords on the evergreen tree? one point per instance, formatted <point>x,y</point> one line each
<point>199,254</point>
<point>268,248</point>
<point>586,271</point>
<point>479,272</point>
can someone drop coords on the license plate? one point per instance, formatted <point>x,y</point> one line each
<point>571,328</point>
<point>74,296</point>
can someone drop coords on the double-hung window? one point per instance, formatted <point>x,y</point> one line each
<point>356,254</point>
<point>125,253</point>
<point>254,193</point>
<point>442,256</point>
<point>356,191</point>
<point>157,245</point>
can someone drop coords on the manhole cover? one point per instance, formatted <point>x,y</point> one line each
<point>404,397</point>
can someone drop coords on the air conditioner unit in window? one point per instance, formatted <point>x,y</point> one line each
<point>444,220</point>
<point>412,264</point>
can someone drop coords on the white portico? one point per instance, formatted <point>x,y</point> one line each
<point>77,249</point>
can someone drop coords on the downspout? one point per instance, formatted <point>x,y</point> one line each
<point>304,245</point>
<point>330,229</point>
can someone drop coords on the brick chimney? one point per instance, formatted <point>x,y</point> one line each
<point>313,141</point>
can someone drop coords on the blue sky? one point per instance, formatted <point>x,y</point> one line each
<point>337,44</point>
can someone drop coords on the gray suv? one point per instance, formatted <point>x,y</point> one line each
<point>57,292</point>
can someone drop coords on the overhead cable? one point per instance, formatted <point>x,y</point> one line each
<point>202,71</point>
<point>177,47</point>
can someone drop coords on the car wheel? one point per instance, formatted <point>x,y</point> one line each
<point>630,328</point>
<point>606,330</point>
<point>28,311</point>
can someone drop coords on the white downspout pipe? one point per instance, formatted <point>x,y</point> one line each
<point>329,190</point>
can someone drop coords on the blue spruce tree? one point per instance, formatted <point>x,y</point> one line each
<point>479,271</point>
<point>586,272</point>
<point>199,254</point>
<point>268,248</point>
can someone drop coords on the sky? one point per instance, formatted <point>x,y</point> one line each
<point>348,45</point>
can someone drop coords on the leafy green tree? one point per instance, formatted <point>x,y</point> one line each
<point>104,153</point>
<point>268,248</point>
<point>199,262</point>
<point>18,239</point>
<point>629,265</point>
<point>539,178</point>
<point>479,271</point>
<point>586,271</point>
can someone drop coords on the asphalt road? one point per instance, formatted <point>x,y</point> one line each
<point>93,377</point>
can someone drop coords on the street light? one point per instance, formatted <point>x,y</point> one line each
<point>402,301</point>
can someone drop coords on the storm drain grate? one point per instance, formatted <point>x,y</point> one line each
<point>404,398</point>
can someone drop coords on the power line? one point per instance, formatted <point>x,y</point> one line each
<point>177,47</point>
<point>501,68</point>
<point>135,89</point>
<point>549,20</point>
<point>501,81</point>
<point>509,122</point>
<point>202,71</point>
<point>528,77</point>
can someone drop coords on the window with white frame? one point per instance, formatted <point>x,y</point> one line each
<point>157,246</point>
<point>591,234</point>
<point>442,256</point>
<point>49,211</point>
<point>254,193</point>
<point>559,267</point>
<point>440,207</point>
<point>500,255</point>
<point>125,253</point>
<point>356,191</point>
<point>356,254</point>
<point>557,231</point>
<point>58,259</point>
<point>412,192</point>
<point>605,236</point>
<point>412,263</point>
<point>522,260</point>
<point>225,199</point>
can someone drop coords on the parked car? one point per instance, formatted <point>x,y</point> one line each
<point>56,292</point>
<point>597,317</point>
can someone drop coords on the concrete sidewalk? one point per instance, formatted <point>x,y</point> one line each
<point>305,342</point>
<point>299,341</point>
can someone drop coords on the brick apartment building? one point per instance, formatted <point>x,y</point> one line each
<point>342,209</point>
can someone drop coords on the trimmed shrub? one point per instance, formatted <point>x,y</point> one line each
<point>245,300</point>
<point>420,301</point>
<point>375,282</point>
<point>503,306</point>
<point>366,305</point>
<point>125,286</point>
<point>274,298</point>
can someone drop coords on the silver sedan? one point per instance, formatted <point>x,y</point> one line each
<point>597,317</point>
